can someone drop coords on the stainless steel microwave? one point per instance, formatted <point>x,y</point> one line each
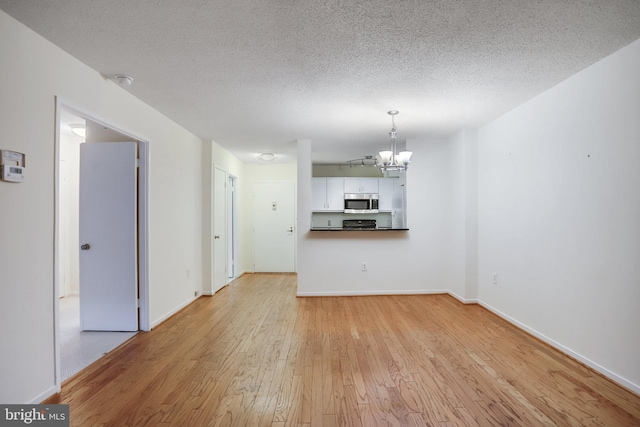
<point>360,203</point>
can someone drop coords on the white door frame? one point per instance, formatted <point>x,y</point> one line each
<point>223,232</point>
<point>143,224</point>
<point>232,227</point>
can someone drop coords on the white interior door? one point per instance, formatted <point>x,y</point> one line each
<point>108,237</point>
<point>273,227</point>
<point>219,230</point>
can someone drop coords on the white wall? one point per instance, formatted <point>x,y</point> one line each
<point>559,215</point>
<point>465,188</point>
<point>33,73</point>
<point>430,257</point>
<point>346,170</point>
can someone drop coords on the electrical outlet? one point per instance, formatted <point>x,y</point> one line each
<point>195,293</point>
<point>495,278</point>
<point>188,273</point>
<point>364,266</point>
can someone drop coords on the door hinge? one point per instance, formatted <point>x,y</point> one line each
<point>137,163</point>
<point>138,302</point>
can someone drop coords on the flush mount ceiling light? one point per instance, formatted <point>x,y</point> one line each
<point>267,156</point>
<point>79,130</point>
<point>389,160</point>
<point>123,79</point>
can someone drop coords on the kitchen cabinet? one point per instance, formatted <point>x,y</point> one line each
<point>361,185</point>
<point>385,194</point>
<point>327,194</point>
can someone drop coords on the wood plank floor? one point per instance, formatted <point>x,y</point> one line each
<point>255,355</point>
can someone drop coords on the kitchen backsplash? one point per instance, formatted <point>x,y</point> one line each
<point>334,219</point>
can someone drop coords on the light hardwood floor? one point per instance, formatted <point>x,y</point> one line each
<point>255,355</point>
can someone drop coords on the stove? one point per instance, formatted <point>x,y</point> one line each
<point>359,224</point>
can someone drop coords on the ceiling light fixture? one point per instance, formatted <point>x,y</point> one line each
<point>123,79</point>
<point>80,130</point>
<point>267,156</point>
<point>364,161</point>
<point>389,160</point>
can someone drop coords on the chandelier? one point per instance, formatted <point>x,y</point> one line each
<point>389,160</point>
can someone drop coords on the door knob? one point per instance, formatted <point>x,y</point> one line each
<point>85,247</point>
<point>216,237</point>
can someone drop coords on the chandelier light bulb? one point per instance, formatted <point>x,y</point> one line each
<point>385,157</point>
<point>404,157</point>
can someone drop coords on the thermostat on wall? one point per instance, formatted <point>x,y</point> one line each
<point>13,173</point>
<point>12,164</point>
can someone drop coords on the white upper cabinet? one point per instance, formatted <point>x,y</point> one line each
<point>335,194</point>
<point>319,194</point>
<point>361,185</point>
<point>385,194</point>
<point>327,194</point>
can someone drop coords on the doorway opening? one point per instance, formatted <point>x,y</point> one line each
<point>76,349</point>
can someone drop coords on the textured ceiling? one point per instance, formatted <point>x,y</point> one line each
<point>257,75</point>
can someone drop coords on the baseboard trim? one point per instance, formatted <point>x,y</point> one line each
<point>463,300</point>
<point>173,312</point>
<point>44,395</point>
<point>394,292</point>
<point>634,388</point>
<point>371,293</point>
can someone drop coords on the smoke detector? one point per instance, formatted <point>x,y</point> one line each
<point>123,79</point>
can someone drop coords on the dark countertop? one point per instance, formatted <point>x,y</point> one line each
<point>356,229</point>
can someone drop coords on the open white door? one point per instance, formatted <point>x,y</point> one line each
<point>108,237</point>
<point>273,227</point>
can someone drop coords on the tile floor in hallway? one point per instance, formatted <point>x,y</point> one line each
<point>79,348</point>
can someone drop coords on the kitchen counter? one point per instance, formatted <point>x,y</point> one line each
<point>357,229</point>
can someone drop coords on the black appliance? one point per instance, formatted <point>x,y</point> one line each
<point>359,224</point>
